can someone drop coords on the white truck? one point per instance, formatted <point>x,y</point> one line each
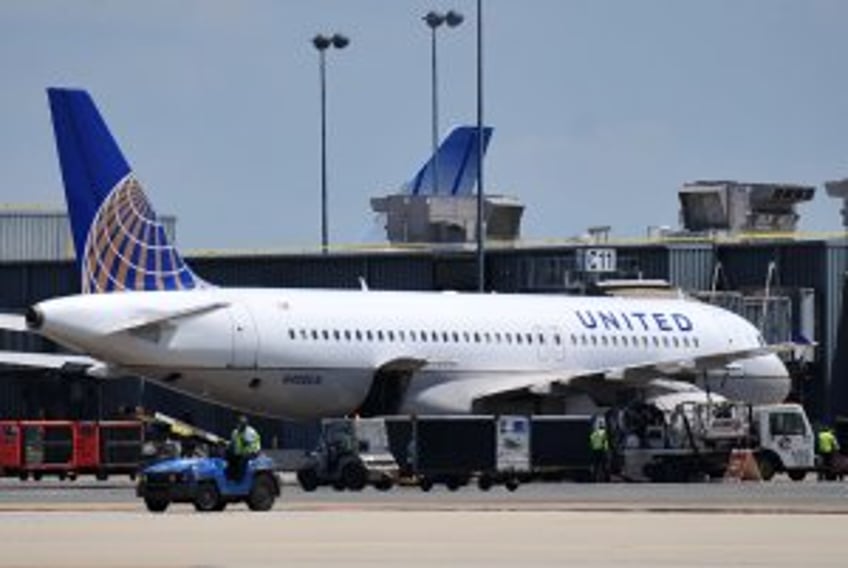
<point>695,440</point>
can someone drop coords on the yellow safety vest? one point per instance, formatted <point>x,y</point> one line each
<point>827,442</point>
<point>598,441</point>
<point>246,442</point>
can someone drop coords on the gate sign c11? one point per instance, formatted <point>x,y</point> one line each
<point>598,260</point>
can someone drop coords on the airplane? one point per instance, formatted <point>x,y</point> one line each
<point>303,353</point>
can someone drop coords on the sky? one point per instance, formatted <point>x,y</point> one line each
<point>602,109</point>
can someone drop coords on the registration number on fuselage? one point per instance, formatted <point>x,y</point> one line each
<point>302,379</point>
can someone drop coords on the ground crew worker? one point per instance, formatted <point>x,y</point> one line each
<point>245,445</point>
<point>599,444</point>
<point>828,446</point>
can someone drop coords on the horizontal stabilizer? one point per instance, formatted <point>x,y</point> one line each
<point>13,322</point>
<point>57,361</point>
<point>160,317</point>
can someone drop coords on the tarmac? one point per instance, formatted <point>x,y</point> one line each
<point>710,524</point>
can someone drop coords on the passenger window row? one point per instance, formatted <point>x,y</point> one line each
<point>644,341</point>
<point>420,336</point>
<point>509,338</point>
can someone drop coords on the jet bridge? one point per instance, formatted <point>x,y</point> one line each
<point>732,206</point>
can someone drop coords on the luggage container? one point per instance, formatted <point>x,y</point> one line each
<point>66,449</point>
<point>453,449</point>
<point>399,431</point>
<point>507,450</point>
<point>86,451</point>
<point>36,448</point>
<point>48,449</point>
<point>119,448</point>
<point>11,457</point>
<point>559,447</point>
<point>108,448</point>
<point>512,454</point>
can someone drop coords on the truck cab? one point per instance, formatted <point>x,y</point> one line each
<point>785,441</point>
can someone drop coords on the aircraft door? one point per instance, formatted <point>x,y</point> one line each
<point>245,337</point>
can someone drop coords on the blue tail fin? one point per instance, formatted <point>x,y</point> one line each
<point>457,158</point>
<point>120,244</point>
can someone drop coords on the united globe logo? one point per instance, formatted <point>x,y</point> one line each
<point>127,248</point>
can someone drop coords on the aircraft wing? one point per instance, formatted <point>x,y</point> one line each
<point>687,366</point>
<point>543,382</point>
<point>47,360</point>
<point>13,322</point>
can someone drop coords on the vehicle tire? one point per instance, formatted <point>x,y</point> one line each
<point>484,483</point>
<point>354,476</point>
<point>62,475</point>
<point>308,479</point>
<point>452,483</point>
<point>36,475</point>
<point>511,484</point>
<point>72,476</point>
<point>384,483</point>
<point>101,475</point>
<point>767,466</point>
<point>262,493</point>
<point>796,474</point>
<point>23,476</point>
<point>425,484</point>
<point>207,497</point>
<point>156,504</point>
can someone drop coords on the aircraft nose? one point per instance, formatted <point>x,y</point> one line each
<point>34,318</point>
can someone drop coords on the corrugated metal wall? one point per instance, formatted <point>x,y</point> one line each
<point>34,234</point>
<point>691,266</point>
<point>643,262</point>
<point>835,325</point>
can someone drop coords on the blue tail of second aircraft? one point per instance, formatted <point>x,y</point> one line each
<point>457,163</point>
<point>119,242</point>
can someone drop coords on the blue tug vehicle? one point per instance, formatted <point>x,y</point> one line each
<point>205,483</point>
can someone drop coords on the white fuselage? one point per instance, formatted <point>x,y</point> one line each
<point>310,353</point>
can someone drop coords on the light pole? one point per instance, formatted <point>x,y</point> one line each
<point>433,21</point>
<point>322,43</point>
<point>481,228</point>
